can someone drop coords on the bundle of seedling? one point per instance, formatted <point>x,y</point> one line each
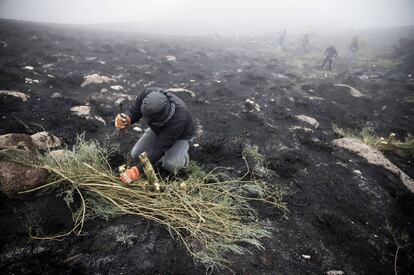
<point>210,217</point>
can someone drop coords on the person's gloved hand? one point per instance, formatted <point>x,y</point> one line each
<point>122,120</point>
<point>130,175</point>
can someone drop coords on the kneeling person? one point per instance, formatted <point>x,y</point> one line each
<point>167,138</point>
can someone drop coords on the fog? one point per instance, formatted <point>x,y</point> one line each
<point>216,16</point>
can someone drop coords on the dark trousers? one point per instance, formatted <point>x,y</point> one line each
<point>173,160</point>
<point>327,61</point>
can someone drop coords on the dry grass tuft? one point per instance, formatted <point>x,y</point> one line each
<point>368,136</point>
<point>409,99</point>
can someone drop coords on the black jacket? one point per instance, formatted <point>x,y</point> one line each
<point>331,52</point>
<point>179,126</point>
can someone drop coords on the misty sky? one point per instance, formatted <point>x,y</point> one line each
<point>217,16</point>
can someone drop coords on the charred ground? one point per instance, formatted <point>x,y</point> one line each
<point>339,204</point>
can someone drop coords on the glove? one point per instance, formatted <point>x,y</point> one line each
<point>122,120</point>
<point>130,175</point>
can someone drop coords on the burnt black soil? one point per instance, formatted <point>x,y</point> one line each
<point>339,204</point>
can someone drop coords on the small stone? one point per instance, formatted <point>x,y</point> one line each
<point>16,177</point>
<point>281,76</point>
<point>138,129</point>
<point>97,79</point>
<point>309,120</point>
<point>120,101</point>
<point>335,272</point>
<point>171,58</point>
<point>353,92</point>
<point>56,95</point>
<point>20,95</point>
<point>181,90</point>
<point>306,129</point>
<point>29,68</point>
<point>16,141</point>
<point>81,110</point>
<point>100,119</point>
<point>117,87</point>
<point>306,257</point>
<point>44,140</point>
<point>250,105</point>
<point>85,111</point>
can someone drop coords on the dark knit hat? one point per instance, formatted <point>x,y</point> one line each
<point>155,106</point>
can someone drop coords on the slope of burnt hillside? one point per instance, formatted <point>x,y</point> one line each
<point>339,204</point>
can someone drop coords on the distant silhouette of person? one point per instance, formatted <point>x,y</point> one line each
<point>281,39</point>
<point>354,47</point>
<point>305,43</point>
<point>330,54</point>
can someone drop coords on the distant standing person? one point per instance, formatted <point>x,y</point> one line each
<point>354,47</point>
<point>305,43</point>
<point>167,139</point>
<point>330,55</point>
<point>281,39</point>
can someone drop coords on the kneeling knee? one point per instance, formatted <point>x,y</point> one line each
<point>172,166</point>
